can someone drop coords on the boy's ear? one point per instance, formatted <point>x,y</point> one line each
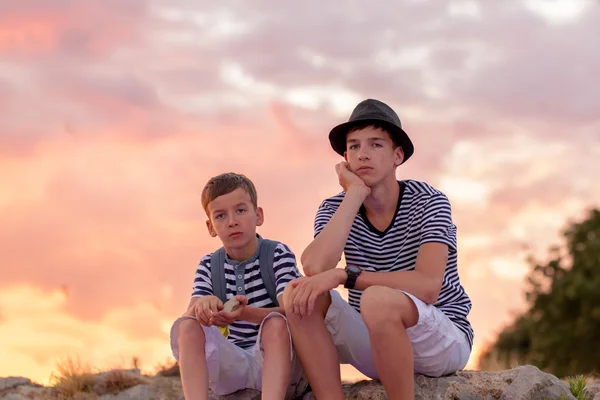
<point>398,156</point>
<point>260,216</point>
<point>211,229</point>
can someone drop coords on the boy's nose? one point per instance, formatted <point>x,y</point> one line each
<point>363,155</point>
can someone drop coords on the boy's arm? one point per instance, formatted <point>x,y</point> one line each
<point>331,231</point>
<point>438,239</point>
<point>286,270</point>
<point>202,282</point>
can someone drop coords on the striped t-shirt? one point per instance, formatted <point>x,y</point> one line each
<point>423,214</point>
<point>243,333</point>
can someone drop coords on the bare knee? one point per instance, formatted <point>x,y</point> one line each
<point>274,331</point>
<point>190,329</point>
<point>381,306</point>
<point>274,328</point>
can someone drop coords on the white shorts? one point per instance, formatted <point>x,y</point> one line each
<point>439,347</point>
<point>231,368</point>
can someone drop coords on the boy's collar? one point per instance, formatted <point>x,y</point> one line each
<point>251,259</point>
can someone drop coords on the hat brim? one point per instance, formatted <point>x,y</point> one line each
<point>337,136</point>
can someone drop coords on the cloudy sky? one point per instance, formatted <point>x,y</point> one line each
<point>115,113</point>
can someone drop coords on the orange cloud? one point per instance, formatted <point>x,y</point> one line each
<point>111,128</point>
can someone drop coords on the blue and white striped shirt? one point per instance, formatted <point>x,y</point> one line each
<point>423,215</point>
<point>243,333</point>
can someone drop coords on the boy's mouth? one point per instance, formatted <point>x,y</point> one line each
<point>235,234</point>
<point>364,168</point>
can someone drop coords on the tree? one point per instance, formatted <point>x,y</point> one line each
<point>560,332</point>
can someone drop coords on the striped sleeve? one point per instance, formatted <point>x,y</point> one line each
<point>436,223</point>
<point>324,214</point>
<point>284,265</point>
<point>202,280</point>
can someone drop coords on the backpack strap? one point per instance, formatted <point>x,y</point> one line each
<point>267,272</point>
<point>217,274</point>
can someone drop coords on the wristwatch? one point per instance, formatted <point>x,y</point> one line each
<point>353,272</point>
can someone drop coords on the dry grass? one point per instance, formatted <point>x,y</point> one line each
<point>117,381</point>
<point>71,378</point>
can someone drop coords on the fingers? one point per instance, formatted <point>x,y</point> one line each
<point>312,301</point>
<point>203,313</point>
<point>299,300</point>
<point>303,300</point>
<point>220,321</point>
<point>293,294</point>
<point>242,299</point>
<point>216,305</point>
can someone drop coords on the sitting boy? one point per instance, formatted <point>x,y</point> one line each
<point>407,310</point>
<point>257,351</point>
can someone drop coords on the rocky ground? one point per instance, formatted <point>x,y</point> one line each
<point>520,383</point>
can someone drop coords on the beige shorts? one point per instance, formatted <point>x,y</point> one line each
<point>439,347</point>
<point>231,368</point>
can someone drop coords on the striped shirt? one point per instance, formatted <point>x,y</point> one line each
<point>423,215</point>
<point>243,333</point>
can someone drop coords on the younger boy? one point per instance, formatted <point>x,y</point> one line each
<point>257,352</point>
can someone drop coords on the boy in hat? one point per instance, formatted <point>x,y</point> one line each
<point>253,348</point>
<point>407,310</point>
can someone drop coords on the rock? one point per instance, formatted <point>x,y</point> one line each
<point>593,389</point>
<point>12,382</point>
<point>118,380</point>
<point>23,389</point>
<point>231,305</point>
<point>138,392</point>
<point>247,394</point>
<point>521,383</point>
<point>103,375</point>
<point>170,371</point>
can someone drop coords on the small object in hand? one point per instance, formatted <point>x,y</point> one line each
<point>231,305</point>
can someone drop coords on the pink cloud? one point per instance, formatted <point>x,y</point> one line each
<point>112,127</point>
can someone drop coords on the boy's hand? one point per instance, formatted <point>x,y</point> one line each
<point>303,298</point>
<point>348,178</point>
<point>223,318</point>
<point>204,308</point>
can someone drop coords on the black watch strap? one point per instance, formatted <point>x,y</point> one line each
<point>353,274</point>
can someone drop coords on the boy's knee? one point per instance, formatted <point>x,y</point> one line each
<point>376,306</point>
<point>274,328</point>
<point>191,329</point>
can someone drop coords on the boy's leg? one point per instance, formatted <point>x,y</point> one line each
<point>282,374</point>
<point>315,348</point>
<point>228,367</point>
<point>274,340</point>
<point>192,361</point>
<point>387,314</point>
<point>414,337</point>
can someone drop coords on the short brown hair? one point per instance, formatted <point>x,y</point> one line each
<point>227,183</point>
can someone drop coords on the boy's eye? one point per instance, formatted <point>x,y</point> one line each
<point>353,147</point>
<point>241,210</point>
<point>377,144</point>
<point>219,216</point>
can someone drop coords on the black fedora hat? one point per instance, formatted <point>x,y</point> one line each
<point>377,112</point>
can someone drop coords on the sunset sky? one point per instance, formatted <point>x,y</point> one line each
<point>116,112</point>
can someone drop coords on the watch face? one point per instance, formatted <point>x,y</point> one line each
<point>353,269</point>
